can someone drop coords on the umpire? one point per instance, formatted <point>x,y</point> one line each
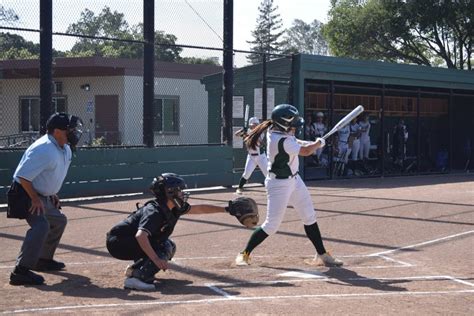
<point>37,180</point>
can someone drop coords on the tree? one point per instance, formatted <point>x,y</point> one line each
<point>423,32</point>
<point>8,15</point>
<point>266,33</point>
<point>305,38</point>
<point>113,25</point>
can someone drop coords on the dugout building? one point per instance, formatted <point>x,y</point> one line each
<point>434,107</point>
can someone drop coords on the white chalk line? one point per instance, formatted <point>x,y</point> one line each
<point>402,263</point>
<point>325,279</point>
<point>239,298</point>
<point>220,291</point>
<point>421,244</point>
<point>176,261</point>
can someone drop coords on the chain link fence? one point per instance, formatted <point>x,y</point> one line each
<point>97,72</point>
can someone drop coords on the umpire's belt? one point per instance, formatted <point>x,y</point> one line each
<point>274,176</point>
<point>254,154</point>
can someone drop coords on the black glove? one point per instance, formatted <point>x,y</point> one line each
<point>245,209</point>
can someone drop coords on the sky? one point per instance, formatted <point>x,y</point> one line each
<point>194,22</point>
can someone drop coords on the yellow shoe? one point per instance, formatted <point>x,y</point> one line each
<point>325,259</point>
<point>239,191</point>
<point>329,261</point>
<point>242,259</point>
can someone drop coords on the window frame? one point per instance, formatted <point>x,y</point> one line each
<point>20,110</point>
<point>176,114</point>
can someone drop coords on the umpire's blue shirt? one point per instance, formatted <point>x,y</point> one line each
<point>45,165</point>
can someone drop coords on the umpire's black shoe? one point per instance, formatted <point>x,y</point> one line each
<point>49,265</point>
<point>23,276</point>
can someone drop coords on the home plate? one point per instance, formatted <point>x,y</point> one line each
<point>303,275</point>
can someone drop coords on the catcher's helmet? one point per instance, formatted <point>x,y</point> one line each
<point>170,186</point>
<point>286,116</point>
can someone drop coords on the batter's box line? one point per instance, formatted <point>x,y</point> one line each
<point>217,287</point>
<point>178,261</point>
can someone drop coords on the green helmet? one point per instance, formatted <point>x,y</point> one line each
<point>286,116</point>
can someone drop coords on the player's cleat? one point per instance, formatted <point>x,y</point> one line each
<point>239,191</point>
<point>329,261</point>
<point>137,284</point>
<point>242,259</point>
<point>129,271</point>
<point>326,260</point>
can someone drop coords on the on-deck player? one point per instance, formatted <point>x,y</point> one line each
<point>319,130</point>
<point>255,156</point>
<point>284,185</point>
<point>364,137</point>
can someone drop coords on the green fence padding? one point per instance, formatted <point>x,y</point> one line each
<point>101,171</point>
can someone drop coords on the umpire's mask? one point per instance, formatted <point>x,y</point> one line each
<point>74,131</point>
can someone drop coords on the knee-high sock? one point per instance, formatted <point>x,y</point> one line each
<point>242,182</point>
<point>256,239</point>
<point>313,233</point>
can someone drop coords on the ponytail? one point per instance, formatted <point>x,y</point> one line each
<point>252,139</point>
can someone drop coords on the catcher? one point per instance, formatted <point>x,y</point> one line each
<point>144,235</point>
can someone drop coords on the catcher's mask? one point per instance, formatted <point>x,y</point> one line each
<point>169,186</point>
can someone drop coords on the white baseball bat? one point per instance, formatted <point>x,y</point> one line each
<point>345,120</point>
<point>246,115</point>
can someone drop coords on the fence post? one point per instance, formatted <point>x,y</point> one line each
<point>46,60</point>
<point>264,87</point>
<point>148,71</point>
<point>228,63</point>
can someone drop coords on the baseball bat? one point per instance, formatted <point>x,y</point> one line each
<point>246,116</point>
<point>344,121</point>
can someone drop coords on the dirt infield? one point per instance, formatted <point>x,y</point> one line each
<point>407,244</point>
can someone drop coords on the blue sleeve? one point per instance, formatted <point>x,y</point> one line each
<point>34,162</point>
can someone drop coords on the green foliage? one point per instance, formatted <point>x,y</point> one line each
<point>267,32</point>
<point>8,15</point>
<point>305,38</point>
<point>198,60</point>
<point>108,24</point>
<point>100,141</point>
<point>416,31</point>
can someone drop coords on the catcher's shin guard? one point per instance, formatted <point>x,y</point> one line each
<point>144,269</point>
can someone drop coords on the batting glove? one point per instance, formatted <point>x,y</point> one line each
<point>321,141</point>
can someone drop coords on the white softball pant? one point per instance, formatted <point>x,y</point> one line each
<point>364,148</point>
<point>284,192</point>
<point>344,152</point>
<point>254,161</point>
<point>355,149</point>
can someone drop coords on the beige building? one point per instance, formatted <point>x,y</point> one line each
<point>107,93</point>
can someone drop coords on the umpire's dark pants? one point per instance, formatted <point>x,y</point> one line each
<point>43,237</point>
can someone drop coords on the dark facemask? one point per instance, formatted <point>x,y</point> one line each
<point>74,134</point>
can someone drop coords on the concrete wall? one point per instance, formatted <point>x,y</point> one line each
<point>193,109</point>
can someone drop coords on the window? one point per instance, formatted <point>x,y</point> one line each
<point>30,112</point>
<point>166,114</point>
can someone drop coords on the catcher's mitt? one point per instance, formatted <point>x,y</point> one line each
<point>245,210</point>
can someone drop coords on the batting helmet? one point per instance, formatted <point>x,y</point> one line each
<point>170,186</point>
<point>254,121</point>
<point>286,116</point>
